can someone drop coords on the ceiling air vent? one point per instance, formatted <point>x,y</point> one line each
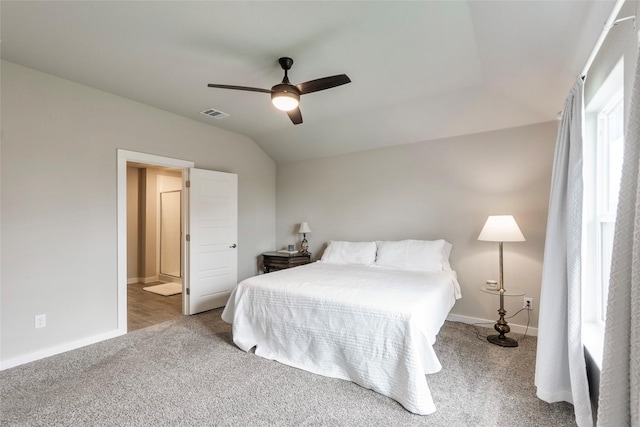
<point>212,112</point>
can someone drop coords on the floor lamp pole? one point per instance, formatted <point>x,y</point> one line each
<point>501,325</point>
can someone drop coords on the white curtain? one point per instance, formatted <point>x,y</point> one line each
<point>619,401</point>
<point>561,373</point>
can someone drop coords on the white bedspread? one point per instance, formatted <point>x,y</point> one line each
<point>373,326</point>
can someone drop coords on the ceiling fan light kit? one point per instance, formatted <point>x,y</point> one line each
<point>285,96</point>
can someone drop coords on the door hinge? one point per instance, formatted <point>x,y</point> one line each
<point>188,291</point>
<point>188,184</point>
<point>188,237</point>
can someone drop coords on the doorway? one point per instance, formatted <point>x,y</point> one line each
<point>154,244</point>
<point>125,223</point>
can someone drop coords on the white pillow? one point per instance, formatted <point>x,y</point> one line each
<point>414,255</point>
<point>361,253</point>
<point>446,251</point>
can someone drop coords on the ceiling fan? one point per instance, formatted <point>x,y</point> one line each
<point>286,96</point>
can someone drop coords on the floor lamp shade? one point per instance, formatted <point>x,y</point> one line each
<point>501,228</point>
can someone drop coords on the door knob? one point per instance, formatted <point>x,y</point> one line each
<point>233,246</point>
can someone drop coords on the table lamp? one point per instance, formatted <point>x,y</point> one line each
<point>501,228</point>
<point>304,246</point>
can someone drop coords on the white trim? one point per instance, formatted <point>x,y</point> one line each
<point>489,323</point>
<point>52,351</point>
<point>171,279</point>
<point>125,156</point>
<point>152,159</point>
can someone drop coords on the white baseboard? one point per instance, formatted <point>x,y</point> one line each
<point>41,354</point>
<point>151,279</point>
<point>170,279</point>
<point>133,280</point>
<point>520,329</point>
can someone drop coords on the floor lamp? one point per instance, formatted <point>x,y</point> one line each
<point>501,228</point>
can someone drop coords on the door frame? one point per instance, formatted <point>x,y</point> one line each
<point>125,156</point>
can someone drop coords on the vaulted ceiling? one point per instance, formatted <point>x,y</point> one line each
<point>419,70</point>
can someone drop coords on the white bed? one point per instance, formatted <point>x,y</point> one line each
<point>372,325</point>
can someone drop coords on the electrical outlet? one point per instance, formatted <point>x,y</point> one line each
<point>41,320</point>
<point>528,303</point>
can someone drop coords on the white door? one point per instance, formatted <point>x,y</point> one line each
<point>211,257</point>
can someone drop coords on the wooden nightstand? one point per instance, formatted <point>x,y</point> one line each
<point>272,261</point>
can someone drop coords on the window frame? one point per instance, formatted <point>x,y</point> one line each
<point>596,161</point>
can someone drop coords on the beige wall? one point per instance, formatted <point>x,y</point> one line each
<point>59,212</point>
<point>430,190</point>
<point>150,237</point>
<point>132,223</point>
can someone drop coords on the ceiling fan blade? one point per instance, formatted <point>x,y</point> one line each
<point>295,115</point>
<point>250,89</point>
<point>323,83</point>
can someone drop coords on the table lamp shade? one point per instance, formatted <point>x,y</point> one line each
<point>304,228</point>
<point>501,228</point>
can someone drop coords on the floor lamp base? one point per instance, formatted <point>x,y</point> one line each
<point>503,342</point>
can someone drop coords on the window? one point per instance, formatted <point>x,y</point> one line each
<point>603,151</point>
<point>608,172</point>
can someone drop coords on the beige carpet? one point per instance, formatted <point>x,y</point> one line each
<point>165,289</point>
<point>188,372</point>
